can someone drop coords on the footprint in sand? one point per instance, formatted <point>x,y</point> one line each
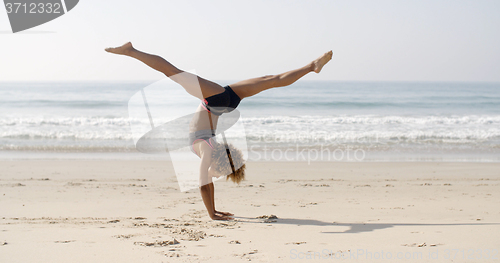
<point>158,243</point>
<point>268,219</point>
<point>65,241</point>
<point>295,243</point>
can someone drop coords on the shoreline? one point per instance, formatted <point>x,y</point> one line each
<point>260,156</point>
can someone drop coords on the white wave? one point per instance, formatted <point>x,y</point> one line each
<point>372,119</point>
<point>65,121</point>
<point>438,129</point>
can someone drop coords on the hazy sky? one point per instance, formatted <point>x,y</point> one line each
<point>372,40</point>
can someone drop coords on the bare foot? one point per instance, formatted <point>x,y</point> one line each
<point>321,61</point>
<point>122,50</point>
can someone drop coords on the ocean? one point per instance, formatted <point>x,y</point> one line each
<point>307,121</point>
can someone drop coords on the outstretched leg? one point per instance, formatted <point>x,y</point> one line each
<point>250,87</point>
<point>194,85</point>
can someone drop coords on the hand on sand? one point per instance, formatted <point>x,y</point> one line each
<point>224,213</point>
<point>217,217</point>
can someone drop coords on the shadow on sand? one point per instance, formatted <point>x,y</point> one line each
<point>352,227</point>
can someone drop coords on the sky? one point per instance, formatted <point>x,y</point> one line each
<point>233,40</point>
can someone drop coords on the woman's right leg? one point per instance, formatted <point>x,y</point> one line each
<point>194,85</point>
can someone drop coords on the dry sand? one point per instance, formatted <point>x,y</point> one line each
<point>132,211</point>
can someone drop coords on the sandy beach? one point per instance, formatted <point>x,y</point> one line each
<point>132,211</point>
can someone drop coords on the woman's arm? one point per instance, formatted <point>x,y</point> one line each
<point>205,195</point>
<point>212,194</point>
<point>213,202</point>
<point>206,185</point>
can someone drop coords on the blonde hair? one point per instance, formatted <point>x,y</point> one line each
<point>221,165</point>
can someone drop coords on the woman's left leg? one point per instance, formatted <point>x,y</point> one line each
<point>251,87</point>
